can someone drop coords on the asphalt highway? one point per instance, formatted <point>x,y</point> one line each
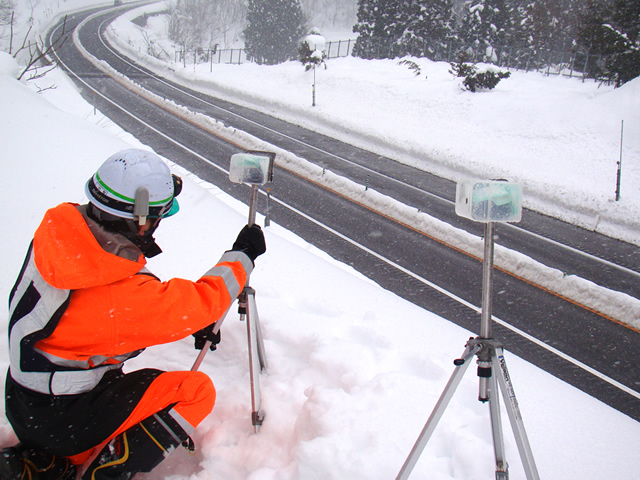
<point>577,345</point>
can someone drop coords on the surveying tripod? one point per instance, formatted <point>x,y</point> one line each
<point>490,356</point>
<point>249,312</point>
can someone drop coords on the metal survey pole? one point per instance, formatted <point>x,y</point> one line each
<point>484,357</point>
<point>254,168</point>
<point>487,202</point>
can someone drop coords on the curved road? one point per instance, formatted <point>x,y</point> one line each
<point>577,345</point>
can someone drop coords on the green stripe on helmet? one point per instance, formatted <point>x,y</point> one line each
<point>124,197</point>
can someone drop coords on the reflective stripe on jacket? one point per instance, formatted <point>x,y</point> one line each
<point>35,308</point>
<point>78,310</point>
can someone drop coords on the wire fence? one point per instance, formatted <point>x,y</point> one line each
<point>569,63</point>
<point>565,62</point>
<point>214,56</point>
<point>211,56</point>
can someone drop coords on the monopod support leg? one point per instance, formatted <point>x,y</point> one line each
<point>461,366</point>
<point>257,355</point>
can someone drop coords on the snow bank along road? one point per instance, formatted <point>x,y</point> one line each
<point>533,323</point>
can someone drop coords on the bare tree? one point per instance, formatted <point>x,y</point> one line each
<point>36,53</point>
<point>189,23</point>
<point>31,5</point>
<point>6,19</point>
<point>225,16</point>
<point>200,23</point>
<point>331,13</point>
<point>6,12</point>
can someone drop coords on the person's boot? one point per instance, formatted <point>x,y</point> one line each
<point>11,465</point>
<point>20,463</point>
<point>140,449</point>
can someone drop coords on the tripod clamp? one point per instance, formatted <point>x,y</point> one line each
<point>485,350</point>
<point>472,348</point>
<point>242,301</point>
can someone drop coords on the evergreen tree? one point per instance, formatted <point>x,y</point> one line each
<point>548,24</point>
<point>589,35</point>
<point>623,38</point>
<point>485,27</point>
<point>613,31</point>
<point>311,52</point>
<point>380,27</point>
<point>395,28</point>
<point>515,35</point>
<point>274,30</point>
<point>433,26</point>
<point>626,19</point>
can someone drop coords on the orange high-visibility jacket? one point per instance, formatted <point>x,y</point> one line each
<point>85,302</point>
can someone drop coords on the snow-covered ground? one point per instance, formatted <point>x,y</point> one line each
<point>354,370</point>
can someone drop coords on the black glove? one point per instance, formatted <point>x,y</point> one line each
<point>250,241</point>
<point>201,336</point>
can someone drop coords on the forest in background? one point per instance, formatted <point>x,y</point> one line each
<point>600,38</point>
<point>483,30</point>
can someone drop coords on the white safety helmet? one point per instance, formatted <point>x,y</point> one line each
<point>134,184</point>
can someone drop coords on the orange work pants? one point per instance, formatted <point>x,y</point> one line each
<point>191,393</point>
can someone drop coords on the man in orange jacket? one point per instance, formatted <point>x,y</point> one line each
<point>83,304</point>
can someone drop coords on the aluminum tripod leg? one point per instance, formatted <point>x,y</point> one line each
<point>513,411</point>
<point>461,367</point>
<point>502,468</point>
<point>499,379</point>
<point>257,355</point>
